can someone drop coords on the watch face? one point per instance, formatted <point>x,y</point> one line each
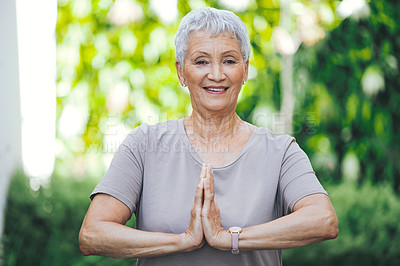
<point>235,229</point>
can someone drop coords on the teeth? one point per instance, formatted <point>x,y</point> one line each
<point>215,90</point>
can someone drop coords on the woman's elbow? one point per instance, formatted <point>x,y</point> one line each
<point>331,230</point>
<point>84,245</point>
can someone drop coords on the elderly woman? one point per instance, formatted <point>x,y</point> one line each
<point>205,187</point>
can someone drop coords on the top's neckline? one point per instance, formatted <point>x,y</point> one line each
<point>185,139</point>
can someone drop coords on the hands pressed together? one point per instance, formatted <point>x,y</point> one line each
<point>205,224</point>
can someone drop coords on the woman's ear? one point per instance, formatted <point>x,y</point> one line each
<point>246,70</point>
<point>179,71</point>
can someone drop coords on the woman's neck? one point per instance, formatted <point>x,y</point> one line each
<point>209,128</point>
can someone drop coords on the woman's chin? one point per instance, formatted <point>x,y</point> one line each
<point>223,104</point>
<point>218,108</point>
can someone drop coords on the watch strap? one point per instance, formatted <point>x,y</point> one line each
<point>235,243</point>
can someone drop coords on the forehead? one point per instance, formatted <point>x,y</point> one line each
<point>200,40</point>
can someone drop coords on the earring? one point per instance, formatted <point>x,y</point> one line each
<point>244,82</point>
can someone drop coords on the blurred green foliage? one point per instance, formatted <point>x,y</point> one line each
<point>350,83</point>
<point>369,231</point>
<point>42,227</point>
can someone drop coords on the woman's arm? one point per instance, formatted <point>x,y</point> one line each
<point>313,220</point>
<point>103,231</point>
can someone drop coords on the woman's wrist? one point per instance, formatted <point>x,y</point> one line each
<point>187,244</point>
<point>221,241</point>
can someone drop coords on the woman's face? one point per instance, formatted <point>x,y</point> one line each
<point>214,72</point>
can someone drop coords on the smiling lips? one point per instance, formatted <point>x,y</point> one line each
<point>215,89</point>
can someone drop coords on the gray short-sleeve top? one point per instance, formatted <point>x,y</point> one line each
<point>155,172</point>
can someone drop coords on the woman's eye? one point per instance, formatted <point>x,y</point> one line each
<point>200,62</point>
<point>230,61</point>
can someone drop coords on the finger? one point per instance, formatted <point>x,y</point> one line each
<point>207,181</point>
<point>203,172</point>
<point>211,179</point>
<point>208,197</point>
<point>198,198</point>
<point>209,185</point>
<point>216,208</point>
<point>202,176</point>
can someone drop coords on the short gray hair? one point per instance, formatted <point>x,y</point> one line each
<point>213,21</point>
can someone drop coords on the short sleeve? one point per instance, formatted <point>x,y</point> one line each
<point>123,180</point>
<point>297,177</point>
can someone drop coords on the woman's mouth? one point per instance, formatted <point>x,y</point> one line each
<point>216,90</point>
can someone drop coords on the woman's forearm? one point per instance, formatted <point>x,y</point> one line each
<point>314,220</point>
<point>103,233</point>
<point>118,241</point>
<point>305,226</point>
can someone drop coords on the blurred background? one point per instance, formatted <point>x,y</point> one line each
<point>76,76</point>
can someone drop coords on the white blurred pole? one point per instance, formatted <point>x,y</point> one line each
<point>287,105</point>
<point>37,65</point>
<point>10,115</point>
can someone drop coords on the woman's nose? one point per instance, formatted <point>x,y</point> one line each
<point>216,73</point>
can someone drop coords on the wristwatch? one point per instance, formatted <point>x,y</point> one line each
<point>235,231</point>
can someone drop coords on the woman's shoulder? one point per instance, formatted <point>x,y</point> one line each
<point>151,131</point>
<point>271,136</point>
<point>273,141</point>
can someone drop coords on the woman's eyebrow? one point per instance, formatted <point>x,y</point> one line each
<point>205,53</point>
<point>230,51</point>
<point>200,52</point>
